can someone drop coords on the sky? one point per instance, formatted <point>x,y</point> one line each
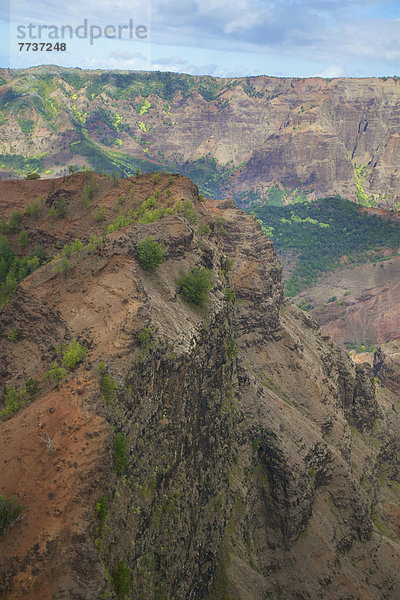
<point>224,38</point>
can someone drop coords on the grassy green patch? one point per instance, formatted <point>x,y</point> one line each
<point>27,125</point>
<point>13,269</point>
<point>208,174</point>
<point>74,354</point>
<point>195,285</point>
<point>151,254</point>
<point>108,387</point>
<point>120,453</point>
<point>320,233</point>
<point>17,398</point>
<point>21,164</point>
<point>10,512</point>
<point>121,578</point>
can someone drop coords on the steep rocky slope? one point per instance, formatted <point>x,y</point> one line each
<point>310,137</point>
<point>232,451</point>
<point>365,310</point>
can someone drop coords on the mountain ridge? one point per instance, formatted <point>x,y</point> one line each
<point>253,138</point>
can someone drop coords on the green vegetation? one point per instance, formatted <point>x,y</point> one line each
<point>73,78</point>
<point>15,221</point>
<point>75,248</point>
<point>305,306</point>
<point>32,388</point>
<point>195,285</point>
<point>380,525</point>
<point>208,174</point>
<point>324,235</point>
<point>13,225</point>
<point>101,366</point>
<point>46,106</point>
<point>10,512</point>
<point>14,269</point>
<point>102,514</point>
<point>123,220</point>
<point>108,161</point>
<point>166,85</point>
<point>203,229</point>
<point>190,215</point>
<point>55,373</point>
<point>108,387</point>
<point>231,349</point>
<point>219,228</point>
<point>27,125</point>
<point>151,253</point>
<point>365,346</point>
<point>59,209</point>
<point>74,354</point>
<point>145,337</point>
<point>21,165</point>
<point>360,173</point>
<point>99,214</point>
<point>62,267</point>
<point>23,239</point>
<point>230,294</point>
<point>15,399</point>
<point>251,90</point>
<point>120,453</point>
<point>149,212</point>
<point>12,334</point>
<point>71,354</point>
<point>34,209</point>
<point>61,263</point>
<point>102,508</point>
<point>276,196</point>
<point>69,249</point>
<point>273,196</point>
<point>121,578</point>
<point>89,191</point>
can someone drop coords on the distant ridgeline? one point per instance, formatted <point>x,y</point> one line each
<point>258,139</point>
<point>326,235</point>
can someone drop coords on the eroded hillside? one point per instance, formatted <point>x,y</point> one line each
<point>360,305</point>
<point>255,138</point>
<point>230,451</point>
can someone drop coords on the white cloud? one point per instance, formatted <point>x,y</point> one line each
<point>329,37</point>
<point>318,30</point>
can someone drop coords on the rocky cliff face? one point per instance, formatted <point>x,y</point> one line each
<point>226,452</point>
<point>365,312</point>
<point>310,137</point>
